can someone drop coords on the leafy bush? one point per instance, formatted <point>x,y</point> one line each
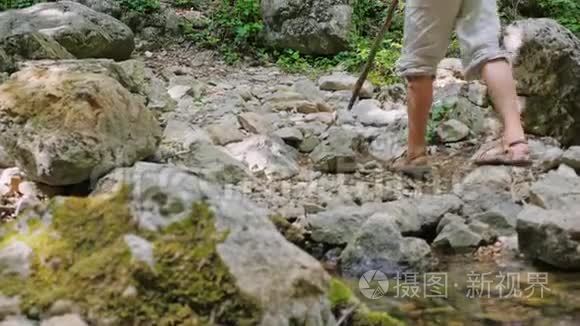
<point>234,28</point>
<point>142,6</point>
<point>16,4</point>
<point>566,12</point>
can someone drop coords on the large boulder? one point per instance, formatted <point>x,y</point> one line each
<point>311,27</point>
<point>549,231</point>
<point>63,126</point>
<point>547,67</point>
<point>167,248</point>
<point>79,30</point>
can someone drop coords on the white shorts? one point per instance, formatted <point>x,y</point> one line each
<point>428,28</point>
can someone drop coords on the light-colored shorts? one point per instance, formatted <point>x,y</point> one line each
<point>428,28</point>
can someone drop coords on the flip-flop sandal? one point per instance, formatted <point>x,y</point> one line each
<point>495,153</point>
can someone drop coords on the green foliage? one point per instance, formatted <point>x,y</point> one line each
<point>566,12</point>
<point>439,113</point>
<point>142,6</point>
<point>16,4</point>
<point>194,4</point>
<point>234,28</point>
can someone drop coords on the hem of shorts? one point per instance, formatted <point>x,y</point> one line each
<point>473,71</point>
<point>417,72</point>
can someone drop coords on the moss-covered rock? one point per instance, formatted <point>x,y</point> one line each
<point>346,304</point>
<point>214,261</point>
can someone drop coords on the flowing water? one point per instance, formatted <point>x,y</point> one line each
<point>506,290</point>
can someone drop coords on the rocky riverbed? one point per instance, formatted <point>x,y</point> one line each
<point>173,189</point>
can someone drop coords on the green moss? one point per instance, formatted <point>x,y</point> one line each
<point>340,294</point>
<point>82,257</point>
<point>374,318</point>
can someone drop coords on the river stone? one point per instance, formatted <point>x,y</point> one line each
<point>379,245</point>
<point>572,157</point>
<point>550,236</point>
<point>370,113</point>
<point>388,145</point>
<point>501,218</point>
<point>82,31</point>
<point>15,259</point>
<point>109,7</point>
<point>545,156</point>
<point>63,127</point>
<point>225,132</point>
<point>483,189</point>
<point>309,90</point>
<point>290,135</point>
<point>17,321</point>
<point>255,123</point>
<point>141,249</point>
<point>344,82</point>
<point>556,191</point>
<point>547,68</point>
<point>452,131</point>
<point>336,153</point>
<point>318,27</point>
<point>64,320</point>
<point>309,144</point>
<point>339,225</point>
<point>457,237</point>
<point>268,155</point>
<point>263,264</point>
<point>9,306</point>
<point>30,46</point>
<point>448,219</point>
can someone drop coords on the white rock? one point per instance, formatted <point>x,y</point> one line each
<point>370,113</point>
<point>64,320</point>
<point>342,81</point>
<point>141,249</point>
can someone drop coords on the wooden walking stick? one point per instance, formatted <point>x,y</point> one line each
<point>378,42</point>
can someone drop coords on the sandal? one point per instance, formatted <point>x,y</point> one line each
<point>416,167</point>
<point>496,153</point>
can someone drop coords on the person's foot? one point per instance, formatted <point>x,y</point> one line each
<point>416,166</point>
<point>515,153</point>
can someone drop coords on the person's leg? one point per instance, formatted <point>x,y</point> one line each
<point>478,30</point>
<point>420,99</point>
<point>428,27</point>
<point>502,90</point>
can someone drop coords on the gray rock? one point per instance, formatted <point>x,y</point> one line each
<point>379,245</point>
<point>344,82</point>
<point>339,225</point>
<point>484,188</point>
<point>370,113</point>
<point>501,218</point>
<point>309,144</point>
<point>177,92</point>
<point>572,157</point>
<point>141,249</point>
<point>9,306</point>
<point>547,66</point>
<point>545,156</point>
<point>550,236</point>
<point>452,131</point>
<point>477,93</point>
<point>255,123</point>
<point>17,321</point>
<point>212,162</point>
<point>265,266</point>
<point>448,219</point>
<point>65,320</point>
<point>291,136</point>
<point>388,145</point>
<point>82,31</point>
<point>312,28</point>
<point>30,46</point>
<point>5,160</point>
<point>336,154</point>
<point>450,67</point>
<point>309,90</point>
<point>488,234</point>
<point>457,237</point>
<point>87,124</point>
<point>461,109</point>
<point>109,7</point>
<point>225,132</point>
<point>63,307</point>
<point>566,171</point>
<point>15,259</point>
<point>556,191</point>
<point>268,155</point>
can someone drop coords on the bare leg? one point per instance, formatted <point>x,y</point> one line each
<point>420,99</point>
<point>502,89</point>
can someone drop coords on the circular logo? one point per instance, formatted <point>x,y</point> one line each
<point>373,284</point>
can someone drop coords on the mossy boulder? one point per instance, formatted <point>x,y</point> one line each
<point>83,32</point>
<point>66,123</point>
<point>164,248</point>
